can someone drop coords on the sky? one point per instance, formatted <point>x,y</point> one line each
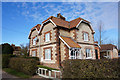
<point>19,17</point>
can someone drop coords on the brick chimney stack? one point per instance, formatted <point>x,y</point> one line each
<point>60,16</point>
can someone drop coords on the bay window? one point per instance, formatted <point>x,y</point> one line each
<point>75,54</point>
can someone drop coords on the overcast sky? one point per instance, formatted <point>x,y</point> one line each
<point>19,17</point>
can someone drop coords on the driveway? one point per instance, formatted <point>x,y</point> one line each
<point>12,77</point>
<point>6,75</point>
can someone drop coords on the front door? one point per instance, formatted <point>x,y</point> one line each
<point>96,53</point>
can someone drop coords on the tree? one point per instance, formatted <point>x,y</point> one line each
<point>7,49</point>
<point>101,33</point>
<point>24,49</point>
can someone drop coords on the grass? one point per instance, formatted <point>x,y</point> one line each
<point>16,73</point>
<point>41,66</point>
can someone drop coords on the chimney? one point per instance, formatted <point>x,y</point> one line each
<point>12,45</point>
<point>60,16</point>
<point>96,42</point>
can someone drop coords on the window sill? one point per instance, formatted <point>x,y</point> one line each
<point>47,41</point>
<point>86,41</point>
<point>89,58</point>
<point>47,59</point>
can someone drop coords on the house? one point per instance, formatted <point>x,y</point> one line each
<point>108,51</point>
<point>56,40</point>
<point>16,49</point>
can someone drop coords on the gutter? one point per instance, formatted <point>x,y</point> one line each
<point>59,50</point>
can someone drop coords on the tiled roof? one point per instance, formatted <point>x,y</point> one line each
<point>37,27</point>
<point>70,42</point>
<point>74,22</point>
<point>60,22</point>
<point>64,23</point>
<point>107,47</point>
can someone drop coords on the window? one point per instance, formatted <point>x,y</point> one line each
<point>88,53</point>
<point>72,55</point>
<point>47,54</point>
<point>47,37</point>
<point>85,36</point>
<point>34,41</point>
<point>33,53</point>
<point>75,54</point>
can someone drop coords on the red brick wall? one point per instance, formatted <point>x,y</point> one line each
<point>98,52</point>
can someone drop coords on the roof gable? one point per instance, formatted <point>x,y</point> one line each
<point>37,27</point>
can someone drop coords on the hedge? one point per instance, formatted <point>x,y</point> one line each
<point>103,68</point>
<point>27,66</point>
<point>36,58</point>
<point>5,59</point>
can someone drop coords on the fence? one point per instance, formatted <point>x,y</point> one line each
<point>49,73</point>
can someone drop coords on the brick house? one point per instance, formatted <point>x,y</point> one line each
<point>16,49</point>
<point>56,40</point>
<point>108,51</point>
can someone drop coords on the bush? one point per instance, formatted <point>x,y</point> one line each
<point>103,68</point>
<point>27,66</point>
<point>36,58</point>
<point>6,59</point>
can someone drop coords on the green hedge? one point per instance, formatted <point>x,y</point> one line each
<point>36,58</point>
<point>27,66</point>
<point>103,68</point>
<point>5,60</point>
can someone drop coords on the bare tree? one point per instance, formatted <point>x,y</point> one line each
<point>101,37</point>
<point>24,49</point>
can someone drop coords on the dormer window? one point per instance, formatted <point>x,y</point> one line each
<point>47,37</point>
<point>85,36</point>
<point>34,40</point>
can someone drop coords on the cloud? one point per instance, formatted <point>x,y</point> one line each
<point>91,11</point>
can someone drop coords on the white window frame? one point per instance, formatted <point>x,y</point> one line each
<point>108,54</point>
<point>48,54</point>
<point>85,35</point>
<point>88,52</point>
<point>47,37</point>
<point>75,52</point>
<point>34,41</point>
<point>34,54</point>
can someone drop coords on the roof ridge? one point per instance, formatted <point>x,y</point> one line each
<point>74,19</point>
<point>61,19</point>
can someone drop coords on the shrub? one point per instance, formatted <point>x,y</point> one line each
<point>103,68</point>
<point>36,58</point>
<point>5,60</point>
<point>27,66</point>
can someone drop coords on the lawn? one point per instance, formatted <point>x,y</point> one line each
<point>49,68</point>
<point>16,73</point>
